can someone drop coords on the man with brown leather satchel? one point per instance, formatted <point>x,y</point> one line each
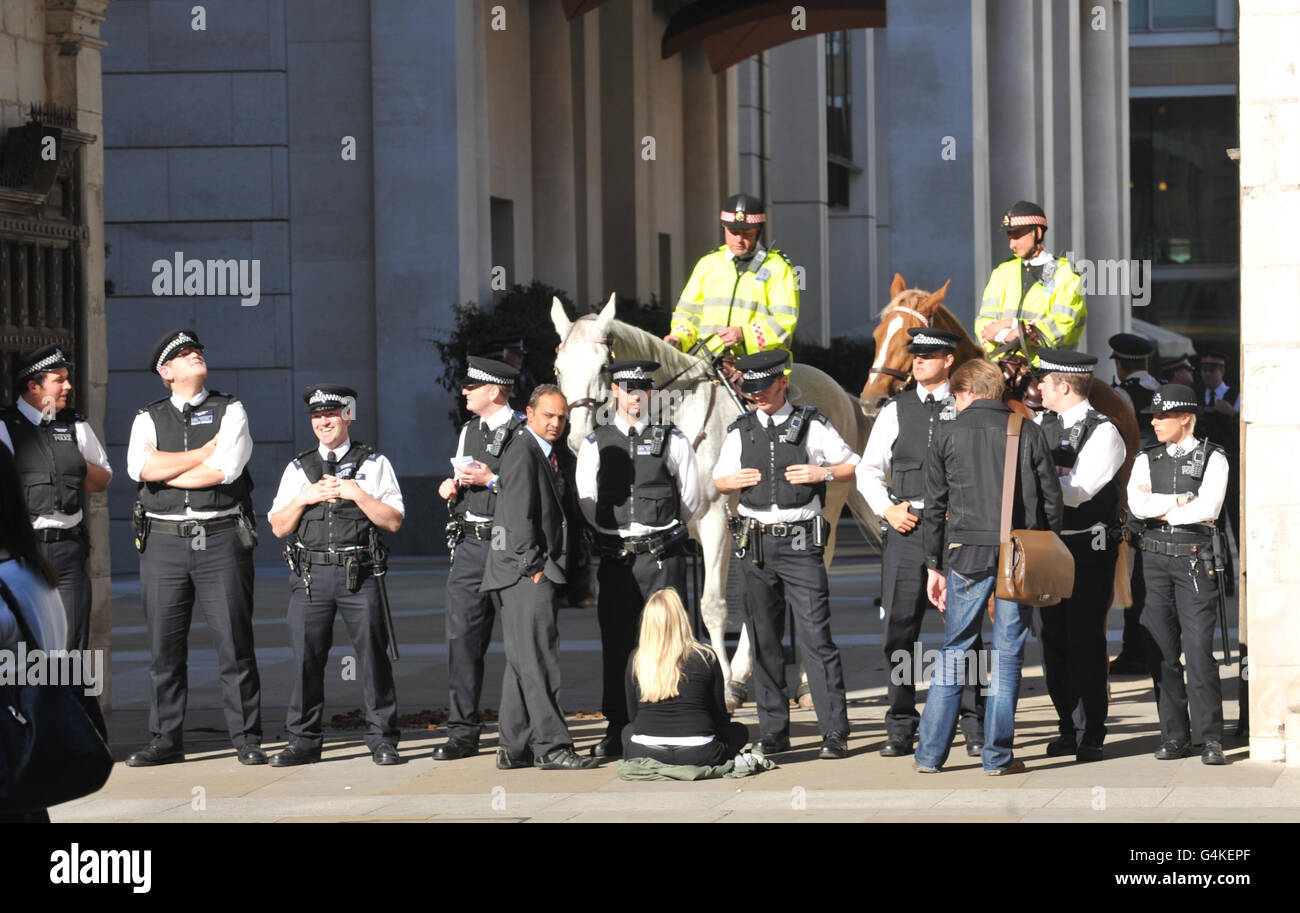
<point>969,511</point>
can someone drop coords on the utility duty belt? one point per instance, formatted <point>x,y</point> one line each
<point>189,528</point>
<point>1202,550</point>
<point>339,557</point>
<point>747,534</point>
<point>1200,529</point>
<point>792,528</point>
<point>144,526</point>
<point>656,544</point>
<point>53,534</point>
<point>458,528</point>
<point>354,560</point>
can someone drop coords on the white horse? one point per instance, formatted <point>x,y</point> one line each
<point>702,412</point>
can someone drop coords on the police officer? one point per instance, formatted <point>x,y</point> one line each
<point>1178,487</point>
<point>193,522</point>
<point>897,449</point>
<point>469,612</point>
<point>58,458</point>
<point>741,297</point>
<point>1131,354</point>
<point>638,486</point>
<point>334,498</point>
<point>779,458</point>
<point>1088,451</point>
<point>1178,371</point>
<point>1033,299</point>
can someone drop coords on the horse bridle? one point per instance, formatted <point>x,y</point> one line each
<point>904,376</point>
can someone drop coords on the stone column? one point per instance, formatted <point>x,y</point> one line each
<point>797,176</point>
<point>555,239</point>
<point>74,78</point>
<point>1105,102</point>
<point>1270,340</point>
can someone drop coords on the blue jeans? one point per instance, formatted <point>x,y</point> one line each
<point>967,598</point>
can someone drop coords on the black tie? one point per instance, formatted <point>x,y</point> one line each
<point>331,464</point>
<point>186,412</point>
<point>929,401</point>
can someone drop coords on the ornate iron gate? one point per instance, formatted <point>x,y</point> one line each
<point>42,241</point>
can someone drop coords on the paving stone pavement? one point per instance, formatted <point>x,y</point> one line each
<point>1129,785</point>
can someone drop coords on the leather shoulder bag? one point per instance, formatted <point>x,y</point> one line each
<point>1034,566</point>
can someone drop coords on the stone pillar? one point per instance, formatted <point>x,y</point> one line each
<point>554,230</point>
<point>74,78</point>
<point>469,94</point>
<point>797,176</point>
<point>1270,340</point>
<point>1105,103</point>
<point>704,123</point>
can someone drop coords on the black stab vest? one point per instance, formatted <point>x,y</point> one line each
<point>1141,398</point>
<point>175,436</point>
<point>633,482</point>
<point>49,463</point>
<point>916,426</point>
<point>767,449</point>
<point>1175,475</point>
<point>342,524</point>
<point>1103,507</point>
<point>487,449</point>
<point>1221,429</point>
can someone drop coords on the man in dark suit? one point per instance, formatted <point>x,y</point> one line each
<point>526,563</point>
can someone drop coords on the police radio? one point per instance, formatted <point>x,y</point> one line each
<point>658,434</point>
<point>498,440</point>
<point>794,429</point>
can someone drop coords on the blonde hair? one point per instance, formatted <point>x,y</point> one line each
<point>978,377</point>
<point>665,644</point>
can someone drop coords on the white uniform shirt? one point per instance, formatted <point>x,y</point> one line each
<point>1101,456</point>
<point>878,456</point>
<point>90,448</point>
<point>825,448</point>
<point>1204,508</point>
<point>234,447</point>
<point>493,422</point>
<point>681,463</point>
<point>375,477</point>
<point>1219,393</point>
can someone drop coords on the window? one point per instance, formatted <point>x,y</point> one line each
<point>1157,15</point>
<point>839,134</point>
<point>1185,190</point>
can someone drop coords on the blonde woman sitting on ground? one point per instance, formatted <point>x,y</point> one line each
<point>675,693</point>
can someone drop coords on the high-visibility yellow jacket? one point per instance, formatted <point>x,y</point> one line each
<point>1055,304</point>
<point>763,298</point>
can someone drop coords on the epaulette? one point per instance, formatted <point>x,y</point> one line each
<point>740,420</point>
<point>782,254</point>
<point>146,408</point>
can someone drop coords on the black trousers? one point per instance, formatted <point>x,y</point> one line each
<point>1180,615</point>
<point>796,575</point>
<point>625,585</point>
<point>902,593</point>
<point>469,617</point>
<point>311,634</point>
<point>174,576</point>
<point>69,558</point>
<point>725,746</point>
<point>530,717</point>
<point>1075,658</point>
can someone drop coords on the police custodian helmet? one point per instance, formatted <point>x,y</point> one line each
<point>743,211</point>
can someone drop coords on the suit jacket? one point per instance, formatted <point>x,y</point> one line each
<point>963,481</point>
<point>530,527</point>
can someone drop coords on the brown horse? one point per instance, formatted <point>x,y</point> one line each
<point>893,367</point>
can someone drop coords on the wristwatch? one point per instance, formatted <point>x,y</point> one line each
<point>830,474</point>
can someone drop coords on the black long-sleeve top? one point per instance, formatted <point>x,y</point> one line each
<point>963,481</point>
<point>698,709</point>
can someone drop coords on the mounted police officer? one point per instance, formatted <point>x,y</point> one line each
<point>779,458</point>
<point>1132,354</point>
<point>58,458</point>
<point>1178,488</point>
<point>1034,299</point>
<point>1088,451</point>
<point>334,498</point>
<point>638,486</point>
<point>891,477</point>
<point>474,489</point>
<point>194,530</point>
<point>742,297</point>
